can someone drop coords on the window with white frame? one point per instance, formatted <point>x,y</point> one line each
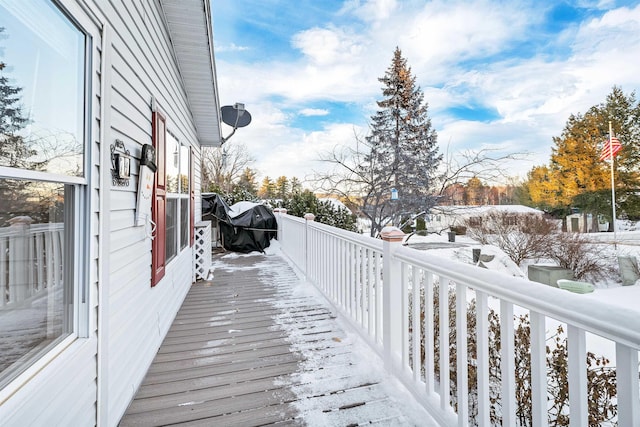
<point>43,183</point>
<point>177,210</point>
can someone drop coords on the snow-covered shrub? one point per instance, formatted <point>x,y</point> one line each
<point>521,236</point>
<point>575,252</point>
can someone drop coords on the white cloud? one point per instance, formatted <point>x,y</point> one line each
<point>534,95</point>
<point>326,46</point>
<point>231,48</point>
<point>314,112</point>
<point>293,153</point>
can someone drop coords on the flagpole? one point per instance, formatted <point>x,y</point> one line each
<point>613,188</point>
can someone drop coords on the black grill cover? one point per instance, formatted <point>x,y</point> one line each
<point>245,227</point>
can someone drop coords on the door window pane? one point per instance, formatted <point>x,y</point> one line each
<point>172,228</point>
<point>36,270</point>
<point>173,163</point>
<point>184,223</point>
<point>177,215</point>
<point>184,170</point>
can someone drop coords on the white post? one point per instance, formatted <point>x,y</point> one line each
<point>613,188</point>
<point>627,384</point>
<point>279,212</point>
<point>577,373</point>
<point>309,217</point>
<point>19,262</point>
<point>391,296</point>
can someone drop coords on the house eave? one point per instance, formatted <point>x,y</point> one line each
<point>190,29</point>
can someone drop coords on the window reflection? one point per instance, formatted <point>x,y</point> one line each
<point>171,224</point>
<point>173,163</point>
<point>35,274</point>
<point>41,89</point>
<point>177,213</point>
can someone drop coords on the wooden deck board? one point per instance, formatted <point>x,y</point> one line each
<point>245,349</point>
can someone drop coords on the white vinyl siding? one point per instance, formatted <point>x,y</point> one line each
<point>67,374</point>
<point>141,74</point>
<point>144,76</point>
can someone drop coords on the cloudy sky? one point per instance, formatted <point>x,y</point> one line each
<point>503,75</point>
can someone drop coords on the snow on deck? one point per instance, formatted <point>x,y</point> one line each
<point>257,346</point>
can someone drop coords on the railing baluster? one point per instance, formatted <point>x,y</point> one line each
<point>627,385</point>
<point>31,265</point>
<point>341,273</point>
<point>429,327</point>
<point>443,309</point>
<point>416,323</point>
<point>357,284</point>
<point>40,260</point>
<point>539,413</point>
<point>482,339</point>
<point>351,280</point>
<point>404,313</point>
<point>371,302</point>
<point>334,270</point>
<point>49,262</point>
<point>3,270</point>
<point>577,355</point>
<point>507,364</point>
<point>378,298</point>
<point>461,355</point>
<point>324,253</point>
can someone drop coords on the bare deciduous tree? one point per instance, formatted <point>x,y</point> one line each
<point>485,164</point>
<point>521,236</point>
<point>222,166</point>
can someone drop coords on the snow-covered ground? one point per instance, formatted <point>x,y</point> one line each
<point>628,244</point>
<point>609,290</point>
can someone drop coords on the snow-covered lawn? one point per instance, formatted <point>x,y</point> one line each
<point>609,290</point>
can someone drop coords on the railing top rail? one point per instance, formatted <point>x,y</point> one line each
<point>290,218</point>
<point>34,228</point>
<point>365,241</point>
<point>616,323</point>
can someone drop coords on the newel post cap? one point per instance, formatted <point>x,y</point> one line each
<point>21,220</point>
<point>309,216</point>
<point>392,234</point>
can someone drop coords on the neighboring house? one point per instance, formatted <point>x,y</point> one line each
<point>86,295</point>
<point>586,223</point>
<point>441,218</point>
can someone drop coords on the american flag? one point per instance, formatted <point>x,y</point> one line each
<point>610,150</point>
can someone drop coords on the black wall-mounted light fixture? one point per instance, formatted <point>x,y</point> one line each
<point>120,164</point>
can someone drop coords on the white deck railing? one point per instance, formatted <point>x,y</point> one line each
<point>390,294</point>
<point>31,260</point>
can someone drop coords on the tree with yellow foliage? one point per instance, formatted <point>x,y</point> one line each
<point>576,177</point>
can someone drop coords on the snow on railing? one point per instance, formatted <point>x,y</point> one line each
<point>391,293</point>
<point>31,259</point>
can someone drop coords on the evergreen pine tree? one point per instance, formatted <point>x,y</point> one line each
<point>267,189</point>
<point>403,151</point>
<point>575,164</point>
<point>247,182</point>
<point>282,187</point>
<point>14,152</point>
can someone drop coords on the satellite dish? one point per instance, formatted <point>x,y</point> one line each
<point>235,116</point>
